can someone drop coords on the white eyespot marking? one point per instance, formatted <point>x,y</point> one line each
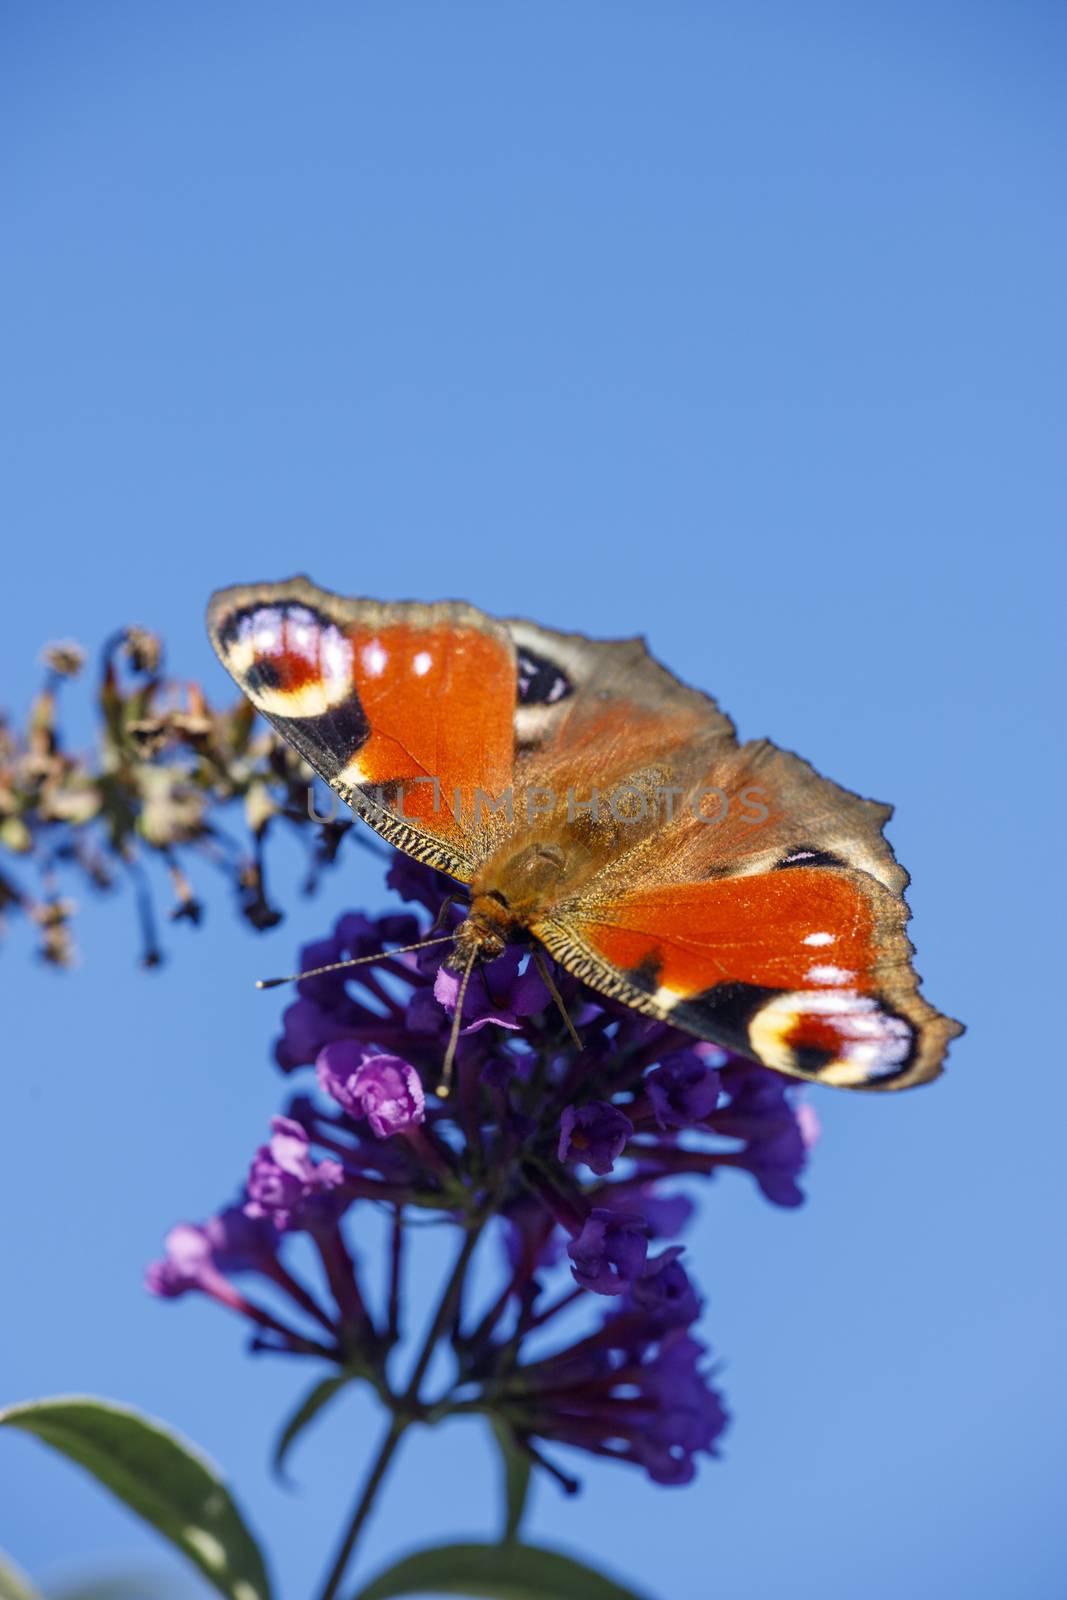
<point>422,663</point>
<point>870,1042</point>
<point>829,974</point>
<point>336,658</point>
<point>819,938</point>
<point>374,659</point>
<point>265,626</point>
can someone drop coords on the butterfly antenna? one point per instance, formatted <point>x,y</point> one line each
<point>444,1087</point>
<point>550,984</point>
<point>356,961</point>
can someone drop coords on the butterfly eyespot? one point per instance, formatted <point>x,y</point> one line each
<point>293,662</point>
<point>846,1038</point>
<point>540,681</point>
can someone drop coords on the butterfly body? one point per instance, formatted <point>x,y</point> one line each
<point>587,798</point>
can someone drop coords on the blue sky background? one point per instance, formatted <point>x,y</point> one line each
<point>740,326</point>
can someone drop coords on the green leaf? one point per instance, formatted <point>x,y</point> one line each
<point>308,1409</point>
<point>158,1476</point>
<point>517,1468</point>
<point>14,1585</point>
<point>495,1572</point>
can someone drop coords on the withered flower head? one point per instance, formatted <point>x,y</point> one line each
<point>65,658</point>
<point>143,649</point>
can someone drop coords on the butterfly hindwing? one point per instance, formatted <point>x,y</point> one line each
<point>777,929</point>
<point>585,701</point>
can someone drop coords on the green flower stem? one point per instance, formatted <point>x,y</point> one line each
<point>446,1307</point>
<point>396,1262</point>
<point>407,1410</point>
<point>364,1505</point>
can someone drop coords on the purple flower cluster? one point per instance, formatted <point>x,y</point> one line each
<point>571,1159</point>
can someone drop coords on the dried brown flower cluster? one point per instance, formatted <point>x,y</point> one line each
<point>169,778</point>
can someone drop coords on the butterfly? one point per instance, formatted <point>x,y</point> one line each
<point>584,796</point>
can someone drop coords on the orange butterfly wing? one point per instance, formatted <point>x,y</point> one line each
<point>405,710</point>
<point>777,930</point>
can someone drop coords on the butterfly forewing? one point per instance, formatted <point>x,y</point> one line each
<point>405,710</point>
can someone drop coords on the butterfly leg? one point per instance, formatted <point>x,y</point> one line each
<point>553,988</point>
